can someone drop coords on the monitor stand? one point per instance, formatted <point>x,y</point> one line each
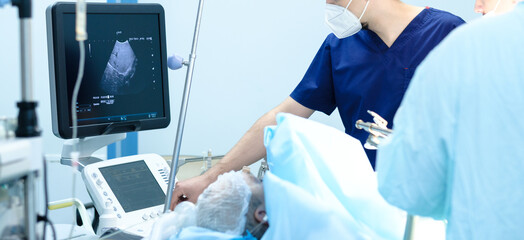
<point>86,147</point>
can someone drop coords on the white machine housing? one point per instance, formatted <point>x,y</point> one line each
<point>104,190</point>
<point>20,156</point>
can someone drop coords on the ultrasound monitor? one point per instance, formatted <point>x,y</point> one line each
<point>125,85</point>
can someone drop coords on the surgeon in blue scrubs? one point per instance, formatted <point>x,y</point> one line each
<point>366,64</point>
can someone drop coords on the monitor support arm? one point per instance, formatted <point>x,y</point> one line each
<point>86,147</point>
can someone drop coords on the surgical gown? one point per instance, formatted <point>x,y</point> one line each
<point>198,233</point>
<point>456,152</point>
<point>321,186</point>
<point>361,72</point>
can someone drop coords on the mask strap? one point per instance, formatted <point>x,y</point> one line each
<point>496,6</point>
<point>349,3</point>
<point>259,225</point>
<point>366,7</point>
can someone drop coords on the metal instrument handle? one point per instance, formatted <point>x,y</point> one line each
<point>372,127</point>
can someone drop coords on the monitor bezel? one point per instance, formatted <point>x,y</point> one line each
<point>58,79</point>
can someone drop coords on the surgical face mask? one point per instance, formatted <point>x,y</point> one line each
<point>492,12</point>
<point>341,21</point>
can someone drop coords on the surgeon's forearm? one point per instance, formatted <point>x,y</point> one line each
<point>251,148</point>
<point>247,151</point>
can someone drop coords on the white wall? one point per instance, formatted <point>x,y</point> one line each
<point>250,56</point>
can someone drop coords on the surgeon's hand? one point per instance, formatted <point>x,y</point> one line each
<point>189,190</point>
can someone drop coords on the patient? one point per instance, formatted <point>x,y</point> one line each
<point>231,208</point>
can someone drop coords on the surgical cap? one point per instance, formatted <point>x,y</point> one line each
<point>171,223</point>
<point>223,206</point>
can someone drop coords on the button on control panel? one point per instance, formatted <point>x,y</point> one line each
<point>104,182</point>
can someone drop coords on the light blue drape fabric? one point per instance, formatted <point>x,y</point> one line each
<point>198,233</point>
<point>456,152</point>
<point>321,186</point>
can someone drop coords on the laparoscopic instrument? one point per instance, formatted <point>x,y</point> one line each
<point>378,132</point>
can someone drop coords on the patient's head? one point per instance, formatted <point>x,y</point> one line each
<point>255,222</point>
<point>233,204</point>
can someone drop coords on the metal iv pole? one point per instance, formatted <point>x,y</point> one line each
<point>27,118</point>
<point>183,109</point>
<point>27,124</point>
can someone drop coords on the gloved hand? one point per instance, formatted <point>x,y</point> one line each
<point>189,190</point>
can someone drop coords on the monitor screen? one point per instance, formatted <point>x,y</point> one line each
<point>124,87</point>
<point>134,185</point>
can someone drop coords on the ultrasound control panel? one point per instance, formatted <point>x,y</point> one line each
<point>128,192</point>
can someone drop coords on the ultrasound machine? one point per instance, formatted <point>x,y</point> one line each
<point>124,89</point>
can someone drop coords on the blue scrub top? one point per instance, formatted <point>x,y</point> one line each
<point>361,72</point>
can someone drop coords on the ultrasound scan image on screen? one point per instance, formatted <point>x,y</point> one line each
<point>122,78</point>
<point>134,185</point>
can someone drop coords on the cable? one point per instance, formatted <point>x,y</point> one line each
<point>46,198</point>
<point>81,36</point>
<point>46,220</point>
<point>76,90</point>
<point>52,228</point>
<point>75,153</point>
